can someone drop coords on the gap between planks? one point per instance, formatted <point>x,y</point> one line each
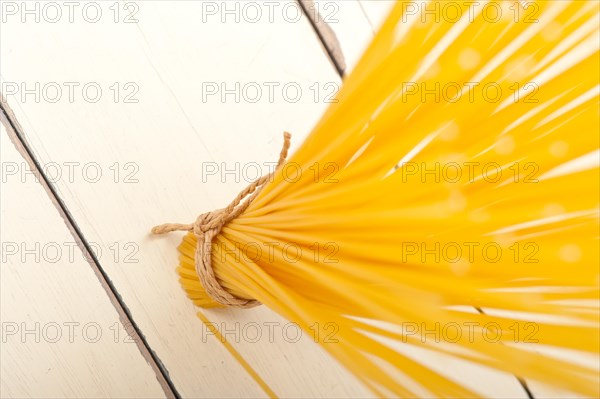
<point>326,36</point>
<point>15,134</point>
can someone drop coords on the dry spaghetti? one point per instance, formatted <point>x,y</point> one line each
<point>458,169</point>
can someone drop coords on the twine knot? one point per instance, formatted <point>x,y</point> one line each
<point>208,221</point>
<point>209,224</point>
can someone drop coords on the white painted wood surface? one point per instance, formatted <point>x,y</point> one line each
<point>61,336</point>
<point>173,52</point>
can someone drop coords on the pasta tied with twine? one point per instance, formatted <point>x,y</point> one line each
<point>392,220</point>
<point>209,224</point>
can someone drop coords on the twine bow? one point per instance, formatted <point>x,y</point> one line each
<point>208,225</point>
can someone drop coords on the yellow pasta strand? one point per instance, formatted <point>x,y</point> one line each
<point>237,356</point>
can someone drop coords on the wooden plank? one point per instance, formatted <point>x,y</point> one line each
<point>354,23</point>
<point>349,24</point>
<point>171,62</point>
<point>61,336</point>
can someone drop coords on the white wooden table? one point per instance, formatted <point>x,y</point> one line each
<point>134,113</point>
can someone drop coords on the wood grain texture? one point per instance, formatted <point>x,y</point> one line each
<point>354,23</point>
<point>160,143</point>
<point>61,336</point>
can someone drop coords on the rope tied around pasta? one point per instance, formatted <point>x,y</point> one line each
<point>209,224</point>
<point>414,209</point>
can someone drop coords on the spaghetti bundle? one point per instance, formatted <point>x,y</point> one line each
<point>447,202</point>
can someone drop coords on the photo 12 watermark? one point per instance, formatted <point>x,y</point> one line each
<point>71,92</point>
<point>517,11</point>
<point>54,332</point>
<point>252,12</point>
<point>432,91</point>
<point>469,331</point>
<point>269,92</point>
<point>248,172</point>
<point>72,172</point>
<point>468,251</point>
<point>54,12</point>
<point>272,251</point>
<point>270,332</point>
<point>469,172</point>
<point>68,252</point>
